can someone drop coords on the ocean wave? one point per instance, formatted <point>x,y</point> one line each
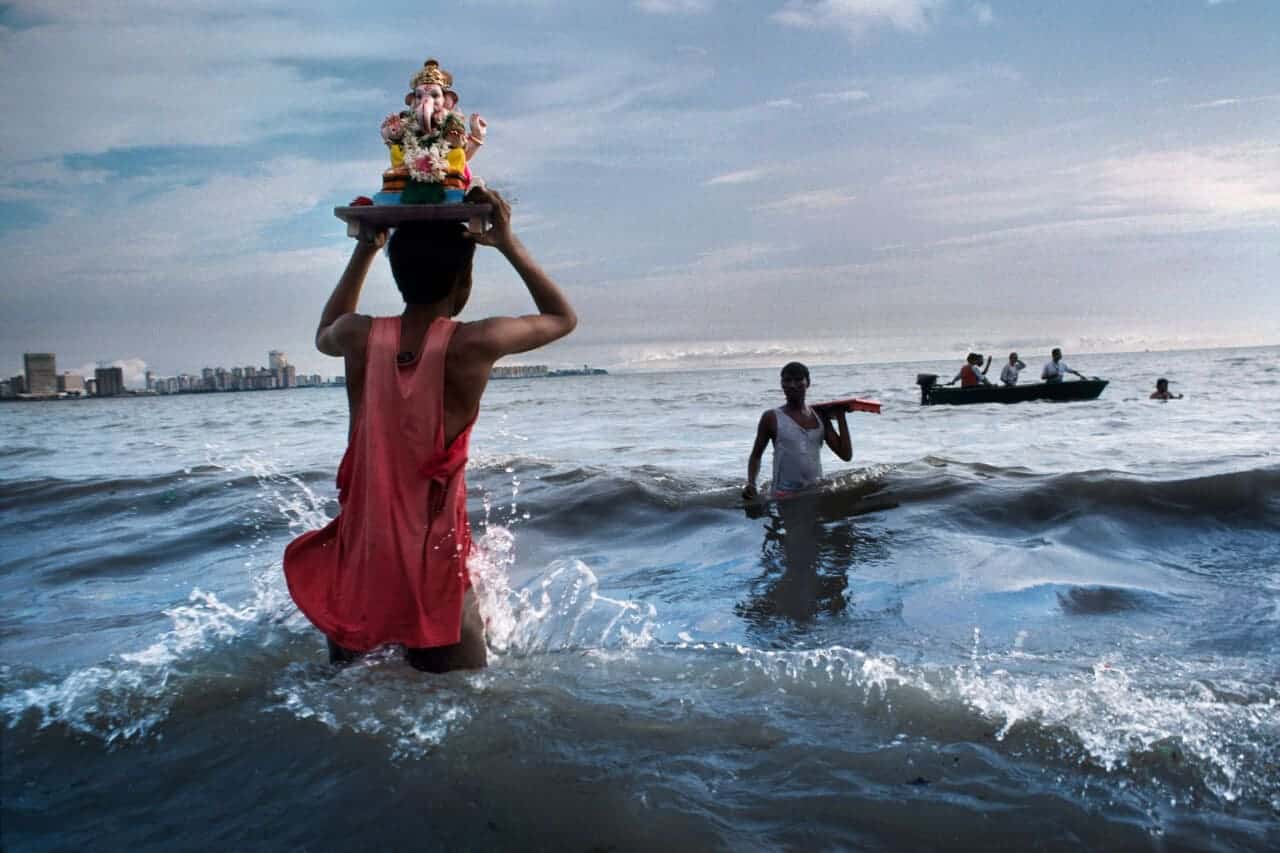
<point>31,499</point>
<point>24,452</point>
<point>1017,497</point>
<point>583,498</point>
<point>1178,727</point>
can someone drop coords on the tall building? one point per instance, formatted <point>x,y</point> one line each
<point>151,381</point>
<point>290,376</point>
<point>70,383</point>
<point>41,373</point>
<point>277,360</point>
<point>109,381</point>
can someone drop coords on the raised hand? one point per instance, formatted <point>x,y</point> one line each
<point>499,233</point>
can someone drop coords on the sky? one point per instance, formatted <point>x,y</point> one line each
<point>712,182</point>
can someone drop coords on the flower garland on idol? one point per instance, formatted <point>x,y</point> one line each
<point>424,151</point>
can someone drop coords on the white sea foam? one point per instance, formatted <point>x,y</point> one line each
<point>128,696</point>
<point>380,695</point>
<point>560,610</point>
<point>1110,715</point>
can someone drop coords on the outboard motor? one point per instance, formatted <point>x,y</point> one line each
<point>926,381</point>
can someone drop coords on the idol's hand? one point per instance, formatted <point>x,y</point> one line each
<point>479,127</point>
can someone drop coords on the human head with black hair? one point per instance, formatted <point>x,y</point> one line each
<point>431,261</point>
<point>795,368</point>
<point>795,382</point>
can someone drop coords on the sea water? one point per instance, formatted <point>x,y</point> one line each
<point>1044,625</point>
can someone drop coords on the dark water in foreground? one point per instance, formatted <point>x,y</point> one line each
<point>1039,626</point>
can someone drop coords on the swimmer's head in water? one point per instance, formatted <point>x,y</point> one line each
<point>430,261</point>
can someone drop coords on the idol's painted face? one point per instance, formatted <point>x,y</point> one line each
<point>429,100</point>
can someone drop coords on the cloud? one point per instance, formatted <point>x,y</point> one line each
<point>856,17</point>
<point>812,201</point>
<point>744,176</point>
<point>1233,102</point>
<point>736,256</point>
<point>675,7</point>
<point>1175,191</point>
<point>846,96</point>
<point>134,370</point>
<point>172,80</point>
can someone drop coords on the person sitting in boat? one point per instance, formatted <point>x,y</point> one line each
<point>970,376</point>
<point>1009,375</point>
<point>798,433</point>
<point>1162,391</point>
<point>1056,370</point>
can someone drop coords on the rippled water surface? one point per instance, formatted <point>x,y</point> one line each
<point>1032,626</point>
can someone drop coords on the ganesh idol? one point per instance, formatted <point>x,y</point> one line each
<point>425,143</point>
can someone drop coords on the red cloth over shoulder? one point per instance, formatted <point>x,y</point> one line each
<point>392,567</point>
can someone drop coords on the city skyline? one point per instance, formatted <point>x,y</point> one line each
<point>41,378</point>
<point>712,183</point>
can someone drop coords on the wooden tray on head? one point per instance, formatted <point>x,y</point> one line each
<point>363,221</point>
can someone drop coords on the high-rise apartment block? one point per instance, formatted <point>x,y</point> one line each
<point>70,383</point>
<point>41,373</point>
<point>277,360</point>
<point>109,381</point>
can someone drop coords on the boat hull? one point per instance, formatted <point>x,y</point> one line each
<point>1083,389</point>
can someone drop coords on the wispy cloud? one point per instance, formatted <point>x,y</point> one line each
<point>812,201</point>
<point>1233,102</point>
<point>675,7</point>
<point>856,17</point>
<point>845,96</point>
<point>1175,191</point>
<point>744,176</point>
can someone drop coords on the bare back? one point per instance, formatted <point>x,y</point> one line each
<point>467,365</point>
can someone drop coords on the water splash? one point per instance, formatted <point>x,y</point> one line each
<point>127,697</point>
<point>560,610</point>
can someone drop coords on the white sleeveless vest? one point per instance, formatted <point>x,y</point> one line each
<point>797,463</point>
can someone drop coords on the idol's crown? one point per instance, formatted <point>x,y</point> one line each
<point>430,73</point>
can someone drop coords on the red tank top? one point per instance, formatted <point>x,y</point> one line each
<point>969,376</point>
<point>392,567</point>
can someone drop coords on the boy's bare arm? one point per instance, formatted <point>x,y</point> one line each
<point>499,336</point>
<point>339,326</point>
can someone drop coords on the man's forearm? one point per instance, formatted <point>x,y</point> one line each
<point>546,294</point>
<point>346,295</point>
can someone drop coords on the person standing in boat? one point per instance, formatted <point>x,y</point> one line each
<point>1056,370</point>
<point>798,433</point>
<point>1009,375</point>
<point>970,376</point>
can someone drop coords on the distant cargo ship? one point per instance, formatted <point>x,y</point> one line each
<point>541,371</point>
